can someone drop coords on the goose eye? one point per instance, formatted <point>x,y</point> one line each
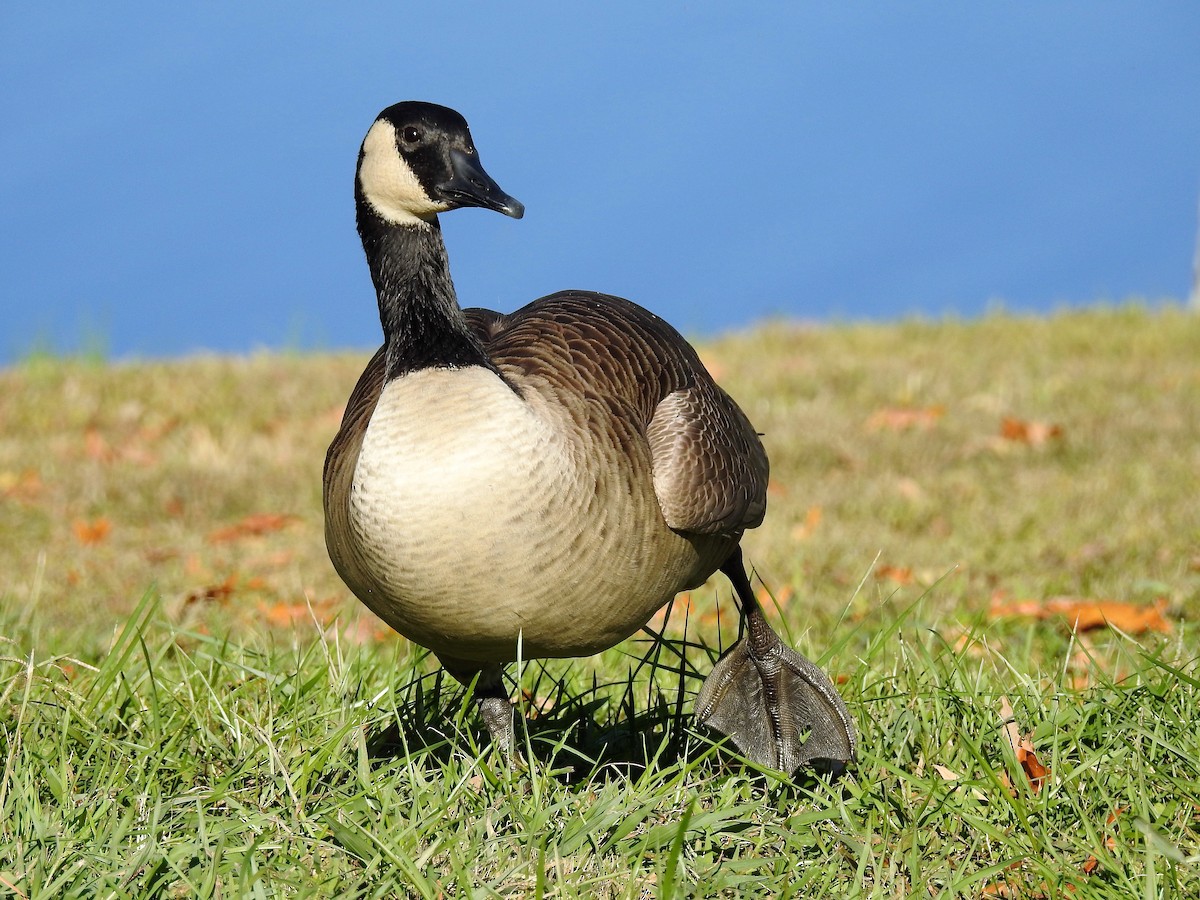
<point>412,135</point>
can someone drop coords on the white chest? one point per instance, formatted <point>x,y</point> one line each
<point>448,454</point>
<point>482,519</point>
<point>450,496</point>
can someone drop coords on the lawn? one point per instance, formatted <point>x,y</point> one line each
<point>986,531</point>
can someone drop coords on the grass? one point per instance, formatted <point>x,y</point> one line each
<point>191,705</point>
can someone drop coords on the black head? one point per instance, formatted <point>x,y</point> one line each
<point>418,160</point>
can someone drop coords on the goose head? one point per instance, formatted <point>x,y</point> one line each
<point>418,160</point>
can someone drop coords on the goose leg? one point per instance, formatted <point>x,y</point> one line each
<point>778,708</point>
<point>494,706</point>
<point>496,711</point>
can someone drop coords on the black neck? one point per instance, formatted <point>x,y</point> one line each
<point>423,325</point>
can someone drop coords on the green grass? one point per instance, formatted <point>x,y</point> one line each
<point>158,738</point>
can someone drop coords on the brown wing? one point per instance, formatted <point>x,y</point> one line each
<point>710,469</point>
<point>340,462</point>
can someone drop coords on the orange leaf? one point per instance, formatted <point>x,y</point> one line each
<point>23,487</point>
<point>679,609</point>
<point>1022,748</point>
<point>898,574</point>
<point>283,614</point>
<point>535,705</point>
<point>715,367</point>
<point>910,489</point>
<point>277,559</point>
<point>946,773</point>
<point>714,613</point>
<point>92,532</point>
<point>366,629</point>
<point>1084,614</point>
<point>95,446</point>
<point>1034,770</point>
<point>779,600</point>
<point>1011,732</point>
<point>251,526</point>
<point>216,593</point>
<point>812,518</point>
<point>905,418</point>
<point>999,889</point>
<point>1110,842</point>
<point>1033,433</point>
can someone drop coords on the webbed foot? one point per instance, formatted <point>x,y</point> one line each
<point>778,708</point>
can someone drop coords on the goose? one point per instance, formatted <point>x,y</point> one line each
<point>538,484</point>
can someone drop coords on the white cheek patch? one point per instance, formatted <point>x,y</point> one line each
<point>389,184</point>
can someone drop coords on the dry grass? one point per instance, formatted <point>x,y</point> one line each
<point>920,472</point>
<point>163,455</point>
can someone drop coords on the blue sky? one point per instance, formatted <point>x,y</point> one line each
<point>179,178</point>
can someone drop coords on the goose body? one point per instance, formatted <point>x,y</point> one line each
<point>480,508</point>
<point>538,483</point>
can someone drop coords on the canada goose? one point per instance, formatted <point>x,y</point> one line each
<point>543,480</point>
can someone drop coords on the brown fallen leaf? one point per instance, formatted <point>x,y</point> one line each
<point>284,614</point>
<point>802,531</point>
<point>1084,614</point>
<point>1008,888</point>
<point>905,418</point>
<point>716,368</point>
<point>1023,749</point>
<point>1009,720</point>
<point>22,487</point>
<point>151,433</point>
<point>778,600</point>
<point>1034,770</point>
<point>96,446</point>
<point>331,416</point>
<point>213,593</point>
<point>1027,432</point>
<point>276,559</point>
<point>251,526</point>
<point>534,706</point>
<point>91,532</point>
<point>1079,667</point>
<point>677,610</point>
<point>898,574</point>
<point>1110,842</point>
<point>948,774</point>
<point>910,489</point>
<point>366,629</point>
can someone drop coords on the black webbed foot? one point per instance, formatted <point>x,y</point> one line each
<point>778,708</point>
